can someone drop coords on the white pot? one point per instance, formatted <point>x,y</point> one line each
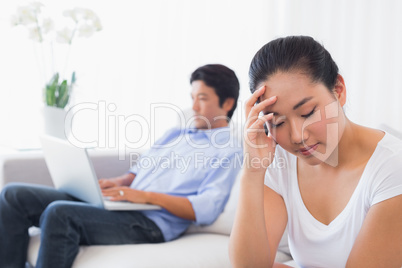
<point>54,122</point>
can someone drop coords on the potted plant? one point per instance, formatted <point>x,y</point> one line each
<point>57,94</point>
<point>58,89</point>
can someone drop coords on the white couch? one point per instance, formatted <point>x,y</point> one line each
<point>199,247</point>
<point>205,246</point>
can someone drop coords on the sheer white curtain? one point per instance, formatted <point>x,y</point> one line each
<point>365,39</point>
<point>147,50</point>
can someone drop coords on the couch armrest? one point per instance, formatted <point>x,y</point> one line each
<point>31,167</point>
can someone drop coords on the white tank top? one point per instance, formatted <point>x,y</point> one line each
<point>314,244</point>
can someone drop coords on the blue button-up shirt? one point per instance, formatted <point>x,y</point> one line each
<point>198,164</point>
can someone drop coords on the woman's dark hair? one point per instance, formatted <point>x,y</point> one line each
<point>222,79</point>
<point>293,53</point>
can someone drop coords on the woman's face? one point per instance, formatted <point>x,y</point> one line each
<point>308,119</point>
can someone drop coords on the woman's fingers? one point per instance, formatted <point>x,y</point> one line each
<point>260,121</point>
<point>252,109</point>
<point>255,111</point>
<point>253,99</point>
<point>257,143</point>
<point>256,128</point>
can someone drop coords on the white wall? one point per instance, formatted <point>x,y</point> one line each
<point>147,50</point>
<point>365,39</point>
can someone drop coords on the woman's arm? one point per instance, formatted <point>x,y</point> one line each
<point>249,245</point>
<point>276,219</point>
<point>379,243</point>
<point>260,214</point>
<point>259,225</point>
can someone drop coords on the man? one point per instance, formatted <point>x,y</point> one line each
<point>196,193</point>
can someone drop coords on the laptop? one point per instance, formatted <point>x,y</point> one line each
<point>72,172</point>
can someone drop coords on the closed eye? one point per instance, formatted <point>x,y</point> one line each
<point>276,125</point>
<point>310,113</point>
<point>279,119</point>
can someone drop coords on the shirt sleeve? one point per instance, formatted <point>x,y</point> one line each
<point>276,173</point>
<point>134,169</point>
<point>389,180</point>
<point>271,182</point>
<point>214,192</point>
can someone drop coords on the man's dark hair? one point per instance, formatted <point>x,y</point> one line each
<point>222,79</point>
<point>293,53</point>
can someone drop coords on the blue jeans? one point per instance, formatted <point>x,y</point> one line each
<point>66,223</point>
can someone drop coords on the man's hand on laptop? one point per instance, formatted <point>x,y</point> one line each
<point>107,183</point>
<point>125,194</point>
<point>123,180</point>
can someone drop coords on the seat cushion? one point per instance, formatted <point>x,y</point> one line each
<point>191,250</point>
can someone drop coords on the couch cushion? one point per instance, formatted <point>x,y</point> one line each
<point>190,250</point>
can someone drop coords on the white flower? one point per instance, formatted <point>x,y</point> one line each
<point>26,16</point>
<point>97,24</point>
<point>92,18</point>
<point>64,36</point>
<point>77,14</point>
<point>84,13</point>
<point>86,21</point>
<point>86,30</point>
<point>34,34</point>
<point>84,18</point>
<point>47,25</point>
<point>70,13</point>
<point>89,14</point>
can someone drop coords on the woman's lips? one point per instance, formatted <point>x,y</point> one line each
<point>308,150</point>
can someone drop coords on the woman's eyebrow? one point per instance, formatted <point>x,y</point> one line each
<point>269,112</point>
<point>300,103</point>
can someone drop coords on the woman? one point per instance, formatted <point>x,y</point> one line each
<point>336,185</point>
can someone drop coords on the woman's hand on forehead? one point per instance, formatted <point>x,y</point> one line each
<point>256,103</point>
<point>257,145</point>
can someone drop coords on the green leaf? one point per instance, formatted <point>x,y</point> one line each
<point>54,79</point>
<point>58,94</point>
<point>63,95</point>
<point>50,94</point>
<point>73,79</point>
<point>50,90</point>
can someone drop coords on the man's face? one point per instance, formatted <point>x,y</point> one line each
<point>207,112</point>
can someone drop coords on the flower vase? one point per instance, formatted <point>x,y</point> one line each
<point>54,122</point>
